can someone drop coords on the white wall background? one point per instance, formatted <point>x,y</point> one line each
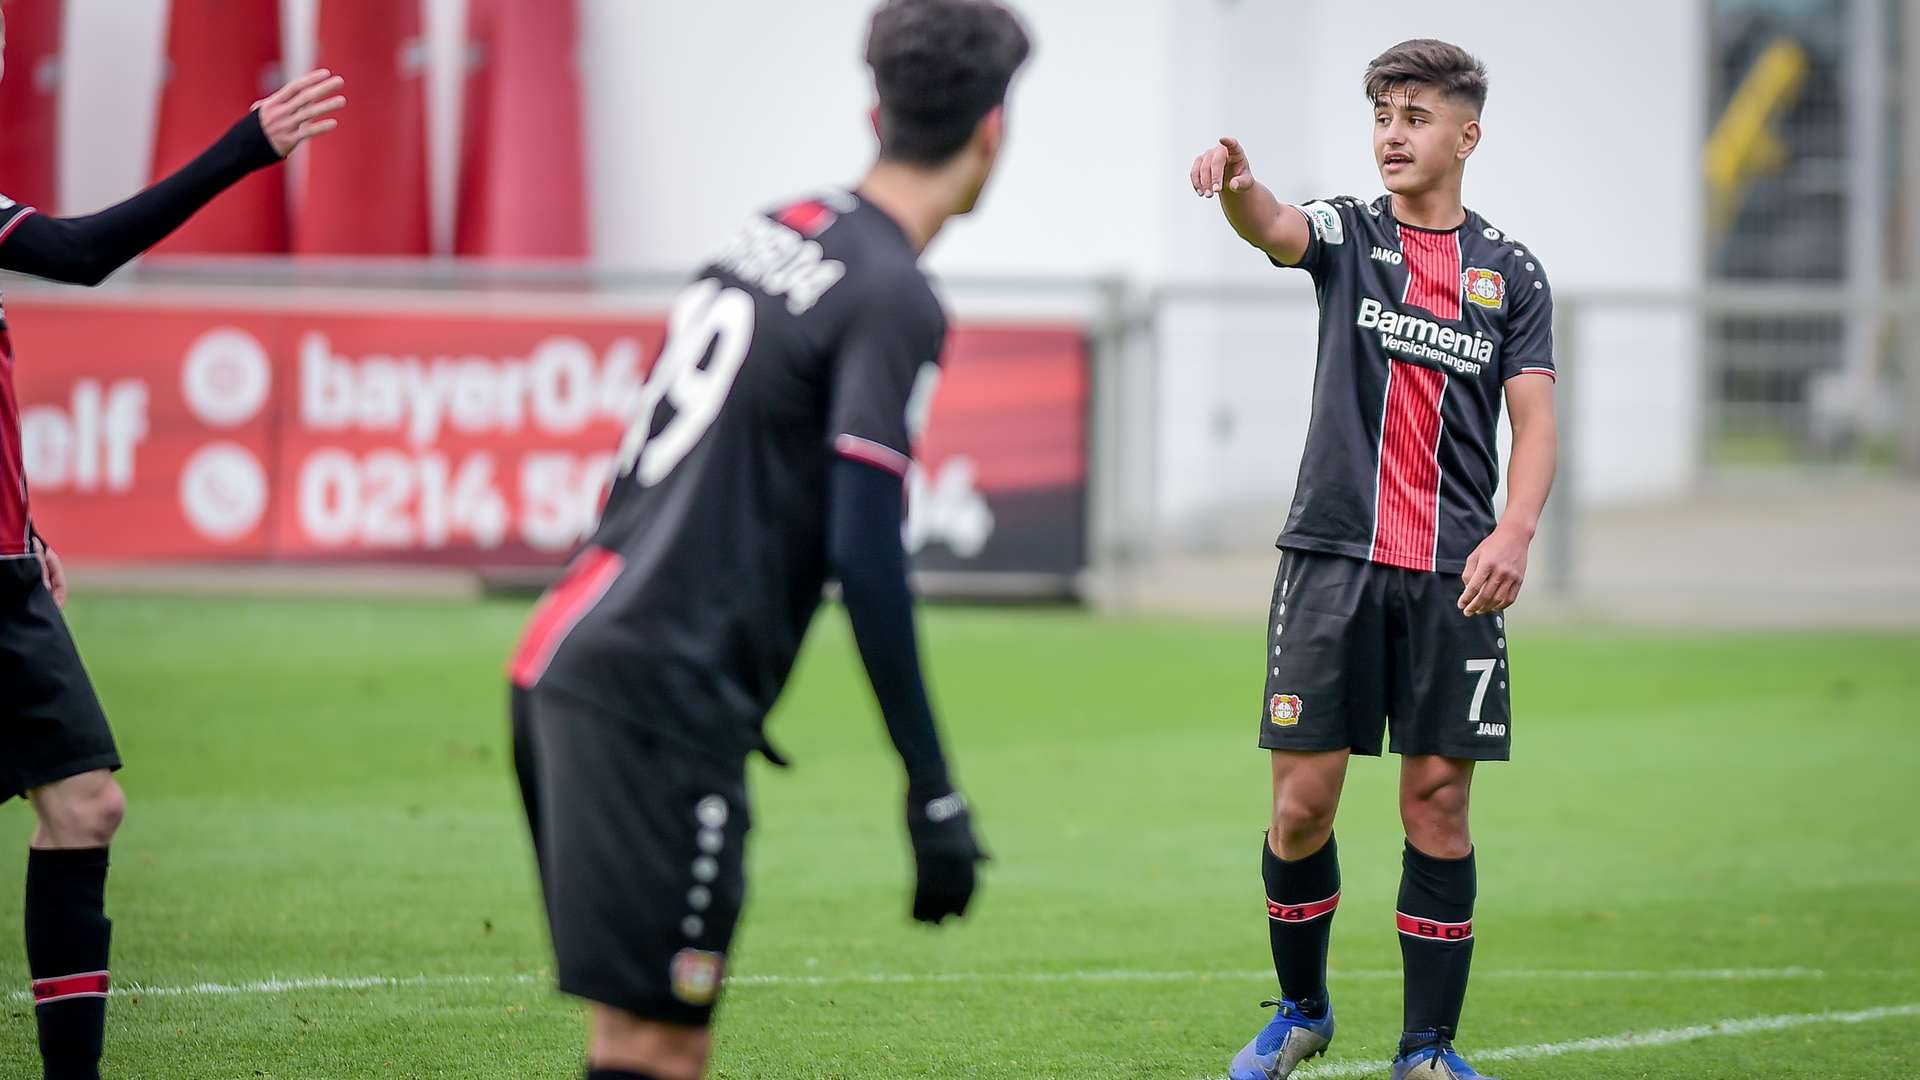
<point>1591,178</point>
<point>699,113</point>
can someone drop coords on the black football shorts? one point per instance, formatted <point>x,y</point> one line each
<point>641,847</point>
<point>1355,646</point>
<point>51,724</point>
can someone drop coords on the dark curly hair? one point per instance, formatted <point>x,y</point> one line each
<point>939,66</point>
<point>1446,67</point>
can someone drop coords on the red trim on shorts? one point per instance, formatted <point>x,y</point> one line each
<point>91,984</point>
<point>1429,928</point>
<point>585,582</point>
<point>1302,912</point>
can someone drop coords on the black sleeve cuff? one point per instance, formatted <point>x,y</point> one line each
<point>248,145</point>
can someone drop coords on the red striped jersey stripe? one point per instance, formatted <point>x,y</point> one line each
<point>1406,525</point>
<point>14,540</point>
<point>1433,271</point>
<point>1406,509</point>
<point>585,582</point>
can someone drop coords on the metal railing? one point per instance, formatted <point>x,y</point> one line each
<point>1199,391</point>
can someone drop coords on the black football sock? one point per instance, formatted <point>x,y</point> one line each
<point>617,1074</point>
<point>67,936</point>
<point>1301,896</point>
<point>1436,943</point>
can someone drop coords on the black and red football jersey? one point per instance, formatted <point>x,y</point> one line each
<point>1419,331</point>
<point>812,335</point>
<point>15,527</point>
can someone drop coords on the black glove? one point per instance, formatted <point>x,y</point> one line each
<point>944,854</point>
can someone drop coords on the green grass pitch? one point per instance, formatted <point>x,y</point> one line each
<point>1695,830</point>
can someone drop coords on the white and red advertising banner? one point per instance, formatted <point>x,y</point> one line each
<point>159,432</point>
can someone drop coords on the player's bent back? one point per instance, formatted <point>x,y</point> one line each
<point>806,339</point>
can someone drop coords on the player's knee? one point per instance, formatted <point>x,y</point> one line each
<point>1447,802</point>
<point>1436,821</point>
<point>81,811</point>
<point>105,813</point>
<point>1301,822</point>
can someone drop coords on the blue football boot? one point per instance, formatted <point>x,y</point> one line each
<point>1287,1040</point>
<point>1435,1060</point>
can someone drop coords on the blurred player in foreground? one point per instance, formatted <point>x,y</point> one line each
<point>55,746</point>
<point>1428,315</point>
<point>768,454</point>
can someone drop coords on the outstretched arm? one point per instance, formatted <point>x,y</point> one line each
<point>85,250</point>
<point>1259,217</point>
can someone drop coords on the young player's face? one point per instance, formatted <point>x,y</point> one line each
<point>1421,138</point>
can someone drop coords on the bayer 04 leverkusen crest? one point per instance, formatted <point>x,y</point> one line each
<point>1285,709</point>
<point>1484,287</point>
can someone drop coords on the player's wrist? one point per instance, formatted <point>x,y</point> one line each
<point>925,786</point>
<point>942,828</point>
<point>249,145</point>
<point>1522,527</point>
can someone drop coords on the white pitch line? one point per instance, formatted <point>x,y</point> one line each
<point>297,984</point>
<point>1636,1040</point>
<point>318,982</point>
<point>1126,975</point>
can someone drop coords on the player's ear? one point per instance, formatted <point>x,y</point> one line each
<point>873,117</point>
<point>991,130</point>
<point>1469,138</point>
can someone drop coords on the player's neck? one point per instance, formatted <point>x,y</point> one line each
<point>918,200</point>
<point>1437,208</point>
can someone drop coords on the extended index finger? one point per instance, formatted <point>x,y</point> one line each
<point>1233,146</point>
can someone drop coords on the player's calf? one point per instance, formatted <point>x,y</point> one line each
<point>1435,909</point>
<point>68,932</point>
<point>625,1046</point>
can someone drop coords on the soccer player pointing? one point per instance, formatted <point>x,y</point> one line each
<point>768,454</point>
<point>55,745</point>
<point>1394,569</point>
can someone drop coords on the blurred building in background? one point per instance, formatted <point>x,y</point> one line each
<point>1726,194</point>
